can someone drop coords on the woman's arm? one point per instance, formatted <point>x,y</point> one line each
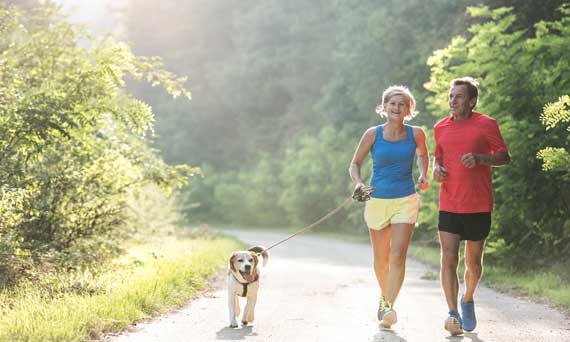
<point>423,157</point>
<point>360,154</point>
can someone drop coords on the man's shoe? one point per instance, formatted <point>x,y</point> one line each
<point>389,317</point>
<point>453,323</point>
<point>468,315</point>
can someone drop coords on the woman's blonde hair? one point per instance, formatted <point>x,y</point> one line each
<point>395,91</point>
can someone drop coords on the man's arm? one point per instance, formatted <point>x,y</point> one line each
<point>439,172</point>
<point>495,159</point>
<point>470,160</point>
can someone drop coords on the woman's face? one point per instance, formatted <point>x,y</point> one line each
<point>397,107</point>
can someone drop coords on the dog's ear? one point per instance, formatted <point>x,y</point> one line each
<point>232,262</point>
<point>260,250</point>
<point>255,259</point>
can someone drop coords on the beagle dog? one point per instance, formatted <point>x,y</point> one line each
<point>243,281</point>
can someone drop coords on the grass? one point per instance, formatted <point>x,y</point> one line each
<point>144,282</point>
<point>548,285</point>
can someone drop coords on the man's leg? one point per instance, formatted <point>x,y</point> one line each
<point>473,271</point>
<point>473,267</point>
<point>401,236</point>
<point>449,243</point>
<point>449,281</point>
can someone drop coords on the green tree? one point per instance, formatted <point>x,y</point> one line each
<point>73,143</point>
<point>518,72</point>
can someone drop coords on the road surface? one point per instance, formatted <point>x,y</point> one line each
<point>319,289</point>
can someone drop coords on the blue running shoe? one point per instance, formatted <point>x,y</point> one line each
<point>453,323</point>
<point>468,315</point>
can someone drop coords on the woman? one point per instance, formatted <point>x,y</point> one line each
<point>392,211</point>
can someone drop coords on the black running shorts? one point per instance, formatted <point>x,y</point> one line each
<point>471,226</point>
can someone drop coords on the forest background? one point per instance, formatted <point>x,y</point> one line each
<point>281,93</point>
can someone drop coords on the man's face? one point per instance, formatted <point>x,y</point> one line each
<point>459,101</point>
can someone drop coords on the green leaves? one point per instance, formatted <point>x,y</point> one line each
<point>73,143</point>
<point>557,112</point>
<point>556,158</point>
<point>518,73</point>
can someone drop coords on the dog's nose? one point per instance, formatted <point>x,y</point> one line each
<point>248,267</point>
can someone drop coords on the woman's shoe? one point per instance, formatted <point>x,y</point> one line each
<point>389,317</point>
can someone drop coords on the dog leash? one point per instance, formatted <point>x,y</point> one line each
<point>361,194</point>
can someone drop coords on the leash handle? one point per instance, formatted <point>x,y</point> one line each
<point>363,193</point>
<point>329,214</point>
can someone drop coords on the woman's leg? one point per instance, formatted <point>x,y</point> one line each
<point>380,239</point>
<point>400,240</point>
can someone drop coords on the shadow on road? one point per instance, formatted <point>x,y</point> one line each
<point>386,335</point>
<point>466,337</point>
<point>231,334</point>
<point>472,337</point>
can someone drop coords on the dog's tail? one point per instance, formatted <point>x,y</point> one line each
<point>260,250</point>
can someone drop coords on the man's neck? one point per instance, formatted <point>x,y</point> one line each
<point>462,116</point>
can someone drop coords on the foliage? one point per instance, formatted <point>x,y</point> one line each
<point>147,280</point>
<point>277,76</point>
<point>533,222</point>
<point>274,71</point>
<point>72,141</point>
<point>248,196</point>
<point>310,189</point>
<point>556,159</point>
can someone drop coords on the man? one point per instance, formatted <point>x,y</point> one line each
<point>467,145</point>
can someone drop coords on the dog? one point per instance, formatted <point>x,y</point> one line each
<point>243,281</point>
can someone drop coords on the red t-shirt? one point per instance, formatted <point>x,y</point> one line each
<point>466,190</point>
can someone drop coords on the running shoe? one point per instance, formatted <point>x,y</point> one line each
<point>389,316</point>
<point>468,315</point>
<point>453,323</point>
<point>381,307</point>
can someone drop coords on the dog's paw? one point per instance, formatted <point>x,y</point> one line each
<point>250,318</point>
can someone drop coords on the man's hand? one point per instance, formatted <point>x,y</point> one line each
<point>469,160</point>
<point>439,173</point>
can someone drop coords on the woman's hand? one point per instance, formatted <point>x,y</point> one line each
<point>362,192</point>
<point>357,188</point>
<point>423,183</point>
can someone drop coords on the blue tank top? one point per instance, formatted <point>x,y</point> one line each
<point>392,163</point>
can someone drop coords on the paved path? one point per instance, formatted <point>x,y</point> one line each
<point>317,289</point>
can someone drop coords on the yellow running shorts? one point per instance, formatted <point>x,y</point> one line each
<point>381,212</point>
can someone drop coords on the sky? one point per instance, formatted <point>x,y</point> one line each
<point>98,15</point>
